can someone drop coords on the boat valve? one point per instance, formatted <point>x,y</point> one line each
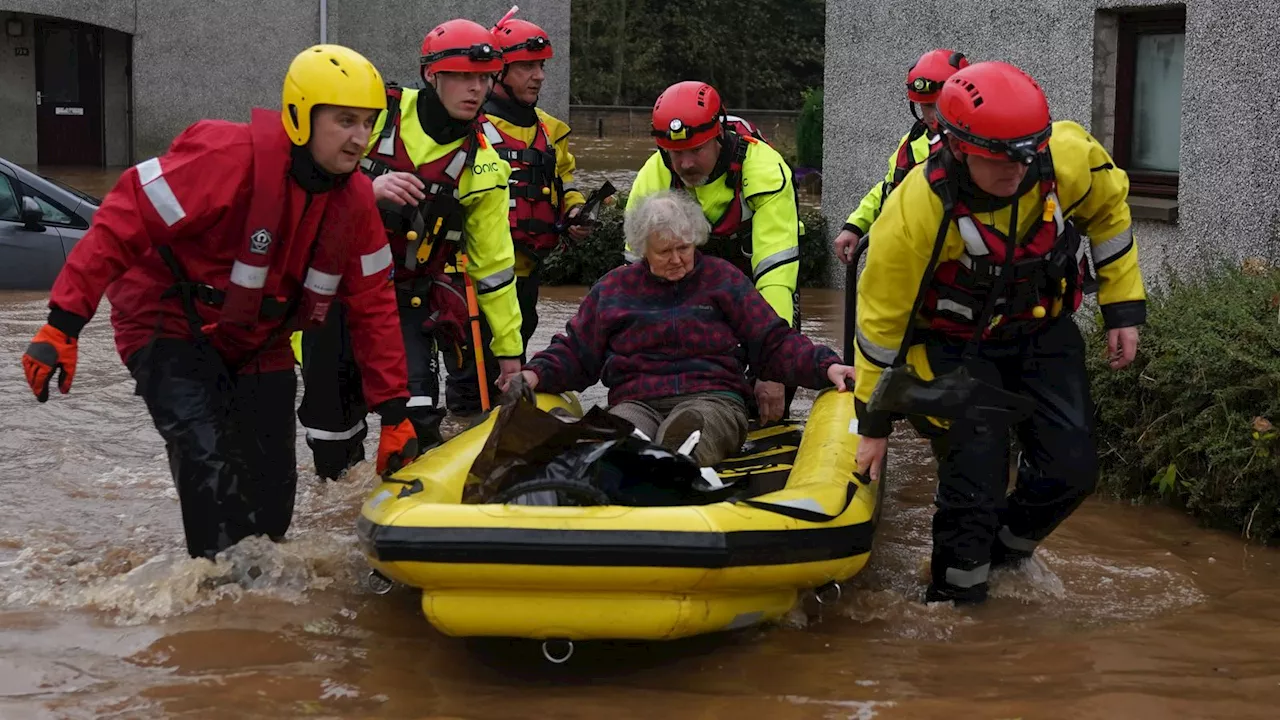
<point>557,651</point>
<point>378,583</point>
<point>828,594</point>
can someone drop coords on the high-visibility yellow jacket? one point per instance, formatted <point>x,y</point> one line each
<point>770,198</point>
<point>1093,194</point>
<point>869,209</point>
<point>482,190</point>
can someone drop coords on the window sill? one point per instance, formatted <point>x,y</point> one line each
<point>1152,208</point>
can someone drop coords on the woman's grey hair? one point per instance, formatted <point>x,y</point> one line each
<point>673,213</point>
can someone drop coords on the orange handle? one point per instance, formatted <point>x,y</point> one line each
<point>473,310</point>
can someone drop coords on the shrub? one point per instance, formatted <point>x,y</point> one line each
<point>582,263</point>
<point>809,130</point>
<point>1191,420</point>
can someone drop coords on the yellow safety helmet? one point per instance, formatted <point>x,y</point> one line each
<point>327,75</point>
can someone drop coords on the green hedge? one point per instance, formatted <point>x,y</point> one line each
<point>582,263</point>
<point>1191,420</point>
<point>809,130</point>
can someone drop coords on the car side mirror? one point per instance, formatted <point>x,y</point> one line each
<point>32,215</point>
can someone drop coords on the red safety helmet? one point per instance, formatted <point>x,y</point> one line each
<point>927,74</point>
<point>687,115</point>
<point>995,110</point>
<point>522,41</point>
<point>460,46</point>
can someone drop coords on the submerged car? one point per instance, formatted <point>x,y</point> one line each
<point>41,219</point>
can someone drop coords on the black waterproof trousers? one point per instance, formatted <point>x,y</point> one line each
<point>230,440</point>
<point>333,408</point>
<point>462,386</point>
<point>976,525</point>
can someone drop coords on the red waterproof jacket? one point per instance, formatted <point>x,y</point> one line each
<point>195,199</point>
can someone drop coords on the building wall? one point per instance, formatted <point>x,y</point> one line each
<point>194,59</point>
<point>116,98</point>
<point>390,32</point>
<point>1229,158</point>
<point>18,94</point>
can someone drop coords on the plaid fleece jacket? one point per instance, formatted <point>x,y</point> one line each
<point>648,338</point>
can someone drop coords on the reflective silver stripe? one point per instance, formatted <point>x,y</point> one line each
<point>491,134</point>
<point>157,190</point>
<point>781,257</point>
<point>456,165</point>
<point>366,164</point>
<point>1057,212</point>
<point>876,353</point>
<point>387,146</point>
<point>747,212</point>
<point>967,261</point>
<point>955,307</point>
<point>496,280</point>
<point>1105,252</point>
<point>512,203</point>
<point>332,436</point>
<point>421,401</point>
<point>322,283</point>
<point>629,256</point>
<point>376,261</point>
<point>1013,542</point>
<point>968,578</point>
<point>973,242</point>
<point>248,276</point>
<point>434,189</point>
<point>453,235</point>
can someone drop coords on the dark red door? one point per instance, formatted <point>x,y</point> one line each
<point>68,93</point>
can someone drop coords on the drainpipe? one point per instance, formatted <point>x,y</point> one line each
<point>324,21</point>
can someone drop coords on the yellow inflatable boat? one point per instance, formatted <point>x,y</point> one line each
<point>611,572</point>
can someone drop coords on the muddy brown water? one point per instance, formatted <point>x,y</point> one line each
<point>1128,611</point>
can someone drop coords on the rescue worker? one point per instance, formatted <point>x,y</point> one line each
<point>747,193</point>
<point>543,196</point>
<point>209,254</point>
<point>442,189</point>
<point>924,81</point>
<point>1004,318</point>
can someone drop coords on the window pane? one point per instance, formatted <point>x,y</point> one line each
<point>8,201</point>
<point>1157,101</point>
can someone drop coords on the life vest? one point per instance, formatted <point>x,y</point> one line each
<point>736,217</point>
<point>906,158</point>
<point>437,221</point>
<point>1045,273</point>
<point>244,302</point>
<point>536,190</point>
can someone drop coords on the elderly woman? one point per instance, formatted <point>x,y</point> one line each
<point>664,335</point>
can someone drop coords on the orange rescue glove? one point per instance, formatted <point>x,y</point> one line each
<point>398,441</point>
<point>51,349</point>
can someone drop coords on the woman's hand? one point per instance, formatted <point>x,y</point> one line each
<point>842,376</point>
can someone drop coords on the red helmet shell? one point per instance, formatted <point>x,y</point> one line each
<point>686,115</point>
<point>930,71</point>
<point>995,110</point>
<point>521,41</point>
<point>460,46</point>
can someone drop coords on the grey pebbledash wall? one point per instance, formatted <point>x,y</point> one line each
<point>1229,194</point>
<point>195,59</point>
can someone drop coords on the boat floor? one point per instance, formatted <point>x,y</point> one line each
<point>765,461</point>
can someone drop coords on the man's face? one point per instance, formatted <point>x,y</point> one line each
<point>525,80</point>
<point>694,166</point>
<point>461,93</point>
<point>997,177</point>
<point>929,113</point>
<point>339,136</point>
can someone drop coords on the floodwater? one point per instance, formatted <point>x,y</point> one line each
<point>1128,611</point>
